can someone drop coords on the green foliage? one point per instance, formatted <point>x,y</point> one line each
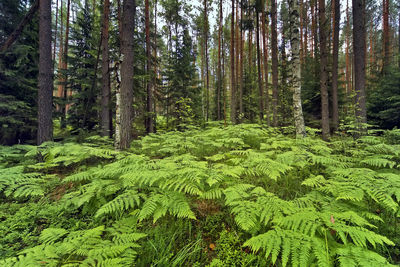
<point>236,195</point>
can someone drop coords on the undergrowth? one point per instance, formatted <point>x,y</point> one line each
<point>240,195</point>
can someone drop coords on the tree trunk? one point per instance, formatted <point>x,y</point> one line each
<point>274,50</point>
<point>206,59</point>
<point>347,52</point>
<point>359,63</point>
<point>233,85</point>
<point>323,71</point>
<point>259,75</point>
<point>219,69</point>
<point>386,54</point>
<point>241,39</point>
<point>296,67</point>
<point>105,69</point>
<point>45,92</point>
<point>149,105</point>
<point>123,133</point>
<point>17,32</point>
<point>336,29</point>
<point>64,68</point>
<point>55,34</point>
<point>265,53</point>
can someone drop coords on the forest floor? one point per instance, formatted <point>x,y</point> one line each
<point>242,195</point>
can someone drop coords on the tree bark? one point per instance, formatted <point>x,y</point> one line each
<point>219,68</point>
<point>274,51</point>
<point>105,69</point>
<point>206,58</point>
<point>296,67</point>
<point>386,52</point>
<point>45,92</point>
<point>233,85</point>
<point>17,32</point>
<point>335,63</point>
<point>359,63</point>
<point>123,132</point>
<point>265,53</point>
<point>149,105</point>
<point>323,71</point>
<point>55,34</point>
<point>64,66</point>
<point>241,39</point>
<point>259,75</point>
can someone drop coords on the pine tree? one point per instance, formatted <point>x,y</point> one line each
<point>123,131</point>
<point>359,62</point>
<point>323,70</point>
<point>105,115</point>
<point>45,93</point>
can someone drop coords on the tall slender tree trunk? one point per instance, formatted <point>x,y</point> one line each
<point>105,69</point>
<point>265,53</point>
<point>386,42</point>
<point>219,68</point>
<point>149,105</point>
<point>237,53</point>
<point>123,132</point>
<point>259,74</point>
<point>233,85</point>
<point>45,92</point>
<point>55,34</point>
<point>301,31</point>
<point>64,78</point>
<point>206,58</point>
<point>347,52</point>
<point>323,71</point>
<point>296,67</point>
<point>241,39</point>
<point>60,55</point>
<point>359,62</point>
<point>398,36</point>
<point>335,63</point>
<point>274,51</point>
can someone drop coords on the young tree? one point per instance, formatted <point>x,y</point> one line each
<point>335,61</point>
<point>123,131</point>
<point>45,93</point>
<point>323,71</point>
<point>105,68</point>
<point>359,61</point>
<point>296,67</point>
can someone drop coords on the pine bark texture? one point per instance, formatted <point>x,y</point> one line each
<point>45,92</point>
<point>274,60</point>
<point>335,63</point>
<point>323,71</point>
<point>296,67</point>
<point>105,69</point>
<point>124,115</point>
<point>359,61</point>
<point>206,59</point>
